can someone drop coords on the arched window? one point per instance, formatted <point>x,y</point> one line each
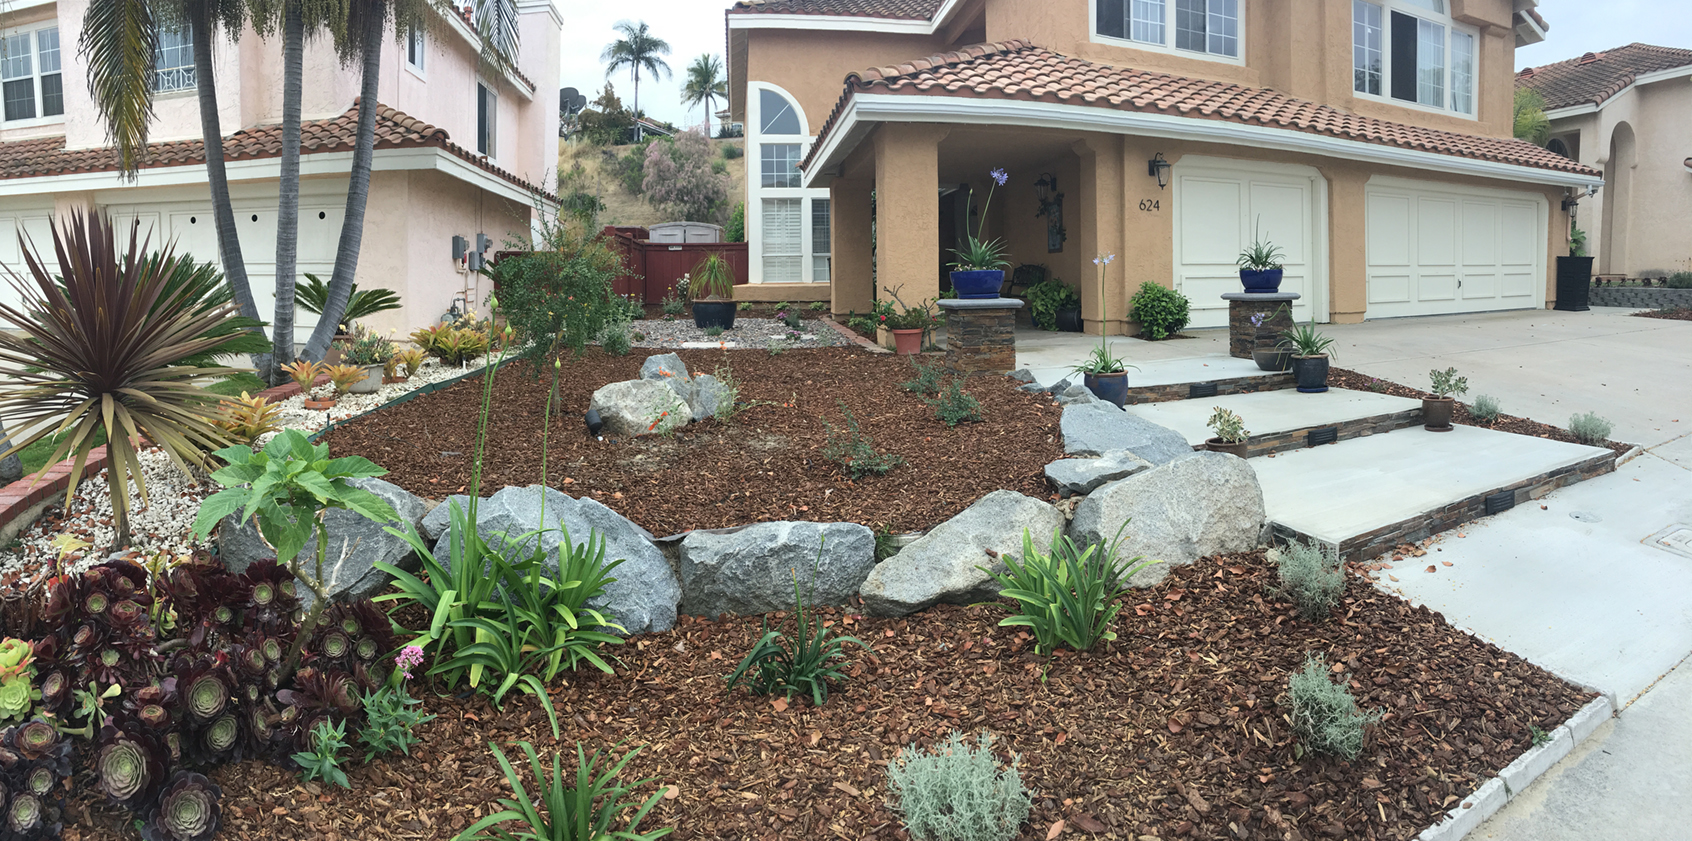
<point>1557,145</point>
<point>787,224</point>
<point>777,114</point>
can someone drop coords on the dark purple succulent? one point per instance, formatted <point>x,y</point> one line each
<point>130,766</point>
<point>188,810</point>
<point>205,686</point>
<point>29,818</point>
<point>34,739</point>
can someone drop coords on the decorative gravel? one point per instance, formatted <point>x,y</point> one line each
<point>296,416</point>
<point>747,333</point>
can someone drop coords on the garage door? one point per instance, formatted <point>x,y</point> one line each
<point>1434,249</point>
<point>1218,203</point>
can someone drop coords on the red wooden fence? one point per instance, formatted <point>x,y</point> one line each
<point>652,268</point>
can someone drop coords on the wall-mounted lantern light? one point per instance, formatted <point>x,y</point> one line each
<point>1158,168</point>
<point>1045,187</point>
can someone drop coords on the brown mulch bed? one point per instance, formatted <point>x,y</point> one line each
<point>1343,378</point>
<point>1177,729</point>
<point>765,464</point>
<point>1674,314</point>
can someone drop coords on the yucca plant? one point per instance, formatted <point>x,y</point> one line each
<point>94,347</point>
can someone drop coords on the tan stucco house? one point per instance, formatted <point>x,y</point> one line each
<point>1628,113</point>
<point>1370,139</point>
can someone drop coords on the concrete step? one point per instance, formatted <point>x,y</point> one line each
<point>1283,419</point>
<point>1368,495</point>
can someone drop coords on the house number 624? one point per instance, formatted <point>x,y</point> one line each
<point>1149,205</point>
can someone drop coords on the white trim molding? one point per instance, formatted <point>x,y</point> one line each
<point>863,110</point>
<point>846,23</point>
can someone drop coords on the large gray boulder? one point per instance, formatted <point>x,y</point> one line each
<point>669,369</point>
<point>1193,507</point>
<point>1093,429</point>
<point>640,407</point>
<point>355,545</point>
<point>645,594</point>
<point>751,569</point>
<point>1080,476</point>
<point>942,565</point>
<point>706,395</point>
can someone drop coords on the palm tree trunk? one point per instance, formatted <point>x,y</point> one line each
<point>288,198</point>
<point>223,214</point>
<point>358,194</point>
<point>639,129</point>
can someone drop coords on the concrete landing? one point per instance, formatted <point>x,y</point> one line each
<point>1278,420</point>
<point>1368,495</point>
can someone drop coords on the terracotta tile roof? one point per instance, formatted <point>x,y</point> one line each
<point>394,129</point>
<point>1017,70</point>
<point>890,9</point>
<point>1595,77</point>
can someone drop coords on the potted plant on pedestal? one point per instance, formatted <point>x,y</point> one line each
<point>1231,435</point>
<point>1310,351</point>
<point>979,271</point>
<point>369,351</point>
<point>1054,306</point>
<point>1438,409</point>
<point>1260,265</point>
<point>1104,375</point>
<point>712,286</point>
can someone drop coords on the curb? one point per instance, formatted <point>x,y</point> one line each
<point>1630,455</point>
<point>852,336</point>
<point>1518,775</point>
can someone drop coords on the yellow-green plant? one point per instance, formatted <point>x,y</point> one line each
<point>411,359</point>
<point>246,418</point>
<point>344,377</point>
<point>304,373</point>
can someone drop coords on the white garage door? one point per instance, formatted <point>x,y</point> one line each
<point>1218,202</point>
<point>1436,249</point>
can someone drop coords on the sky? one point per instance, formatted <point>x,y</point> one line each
<point>1585,26</point>
<point>691,27</point>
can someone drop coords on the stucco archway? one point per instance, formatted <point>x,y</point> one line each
<point>1618,198</point>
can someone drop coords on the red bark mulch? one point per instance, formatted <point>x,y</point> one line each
<point>1672,313</point>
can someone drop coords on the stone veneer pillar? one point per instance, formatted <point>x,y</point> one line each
<point>980,335</point>
<point>1243,338</point>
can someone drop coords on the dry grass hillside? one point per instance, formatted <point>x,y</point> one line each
<point>624,208</point>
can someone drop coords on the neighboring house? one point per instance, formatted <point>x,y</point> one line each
<point>1369,139</point>
<point>458,152</point>
<point>1627,112</point>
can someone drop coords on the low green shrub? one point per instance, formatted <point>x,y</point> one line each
<point>323,760</point>
<point>673,305</point>
<point>958,791</point>
<point>927,380</point>
<point>854,450</point>
<point>743,306</point>
<point>1046,298</point>
<point>714,331</point>
<point>1680,280</point>
<point>1485,408</point>
<point>817,306</point>
<point>955,406</point>
<point>561,812</point>
<point>616,340</point>
<point>390,716</point>
<point>1311,576</point>
<point>1161,312</point>
<point>732,151</point>
<point>1069,595</point>
<point>1325,717</point>
<point>1590,429</point>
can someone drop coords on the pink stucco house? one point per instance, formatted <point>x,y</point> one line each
<point>458,151</point>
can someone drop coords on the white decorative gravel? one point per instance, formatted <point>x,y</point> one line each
<point>296,416</point>
<point>747,333</point>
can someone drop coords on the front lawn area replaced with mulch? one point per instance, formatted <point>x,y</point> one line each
<point>1672,313</point>
<point>1343,378</point>
<point>1178,729</point>
<point>765,464</point>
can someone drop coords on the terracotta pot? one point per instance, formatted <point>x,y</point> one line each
<point>320,405</point>
<point>387,380</point>
<point>1217,445</point>
<point>1437,412</point>
<point>907,342</point>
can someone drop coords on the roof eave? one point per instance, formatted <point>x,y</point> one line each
<point>844,23</point>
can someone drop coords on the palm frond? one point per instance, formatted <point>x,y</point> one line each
<point>118,41</point>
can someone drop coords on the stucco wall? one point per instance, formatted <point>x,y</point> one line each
<point>812,65</point>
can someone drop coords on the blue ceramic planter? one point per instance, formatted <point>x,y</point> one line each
<point>1111,388</point>
<point>1265,281</point>
<point>983,283</point>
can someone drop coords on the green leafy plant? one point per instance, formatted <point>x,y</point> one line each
<point>1590,429</point>
<point>1325,717</point>
<point>954,405</point>
<point>790,317</point>
<point>323,760</point>
<point>1680,280</point>
<point>559,812</point>
<point>736,229</point>
<point>390,716</point>
<point>1538,736</point>
<point>1067,596</point>
<point>1046,298</point>
<point>366,347</point>
<point>1577,241</point>
<point>743,306</point>
<point>728,394</point>
<point>958,791</point>
<point>978,254</point>
<point>1304,340</point>
<point>927,379</point>
<point>1261,255</point>
<point>713,278</point>
<point>1227,426</point>
<point>802,665</point>
<point>1311,575</point>
<point>616,340</point>
<point>854,450</point>
<point>18,693</point>
<point>673,306</point>
<point>1160,311</point>
<point>817,306</point>
<point>92,350</point>
<point>1484,409</point>
<point>312,294</point>
<point>1446,383</point>
<point>714,331</point>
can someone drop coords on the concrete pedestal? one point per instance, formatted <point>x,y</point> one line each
<point>980,334</point>
<point>1243,336</point>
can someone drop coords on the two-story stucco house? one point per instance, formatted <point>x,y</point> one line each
<point>1627,112</point>
<point>1369,139</point>
<point>458,151</point>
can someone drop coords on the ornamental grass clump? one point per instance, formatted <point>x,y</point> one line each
<point>1311,576</point>
<point>1590,429</point>
<point>803,664</point>
<point>958,791</point>
<point>1325,717</point>
<point>558,811</point>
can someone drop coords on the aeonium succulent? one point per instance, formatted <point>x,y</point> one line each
<point>15,657</point>
<point>130,766</point>
<point>188,810</point>
<point>17,696</point>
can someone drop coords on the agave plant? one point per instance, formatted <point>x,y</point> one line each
<point>94,347</point>
<point>189,809</point>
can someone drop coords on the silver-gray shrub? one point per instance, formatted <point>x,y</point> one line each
<point>1311,575</point>
<point>957,791</point>
<point>1484,408</point>
<point>1324,715</point>
<point>1589,428</point>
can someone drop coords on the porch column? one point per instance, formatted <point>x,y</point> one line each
<point>852,266</point>
<point>1348,285</point>
<point>1098,229</point>
<point>907,209</point>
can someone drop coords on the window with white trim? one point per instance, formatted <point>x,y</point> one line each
<point>784,241</point>
<point>1207,27</point>
<point>173,60</point>
<point>819,240</point>
<point>778,164</point>
<point>414,45</point>
<point>31,86</point>
<point>1411,51</point>
<point>787,223</point>
<point>487,118</point>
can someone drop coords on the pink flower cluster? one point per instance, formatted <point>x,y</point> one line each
<point>408,657</point>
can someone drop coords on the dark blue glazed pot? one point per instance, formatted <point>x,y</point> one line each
<point>983,283</point>
<point>1265,281</point>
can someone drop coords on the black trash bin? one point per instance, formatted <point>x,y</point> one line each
<point>1574,284</point>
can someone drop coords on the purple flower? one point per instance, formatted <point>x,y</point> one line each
<point>999,176</point>
<point>1257,320</point>
<point>408,657</point>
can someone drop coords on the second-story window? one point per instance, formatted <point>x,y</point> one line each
<point>173,61</point>
<point>487,118</point>
<point>1400,50</point>
<point>30,83</point>
<point>414,49</point>
<point>1211,27</point>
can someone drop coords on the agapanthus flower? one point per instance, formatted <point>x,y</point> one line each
<point>999,176</point>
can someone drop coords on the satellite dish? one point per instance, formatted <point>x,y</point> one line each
<point>577,104</point>
<point>565,97</point>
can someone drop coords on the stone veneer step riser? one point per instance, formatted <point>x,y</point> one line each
<point>1167,392</point>
<point>1281,442</point>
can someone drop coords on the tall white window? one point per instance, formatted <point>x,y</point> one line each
<point>778,164</point>
<point>784,241</point>
<point>414,45</point>
<point>487,119</point>
<point>1207,27</point>
<point>1410,50</point>
<point>819,240</point>
<point>173,60</point>
<point>30,83</point>
<point>787,223</point>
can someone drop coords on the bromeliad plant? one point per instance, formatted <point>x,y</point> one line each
<point>247,418</point>
<point>978,254</point>
<point>1067,596</point>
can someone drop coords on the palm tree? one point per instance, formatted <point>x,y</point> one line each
<point>637,50</point>
<point>705,84</point>
<point>1531,123</point>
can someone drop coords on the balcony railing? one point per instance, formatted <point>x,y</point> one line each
<point>173,79</point>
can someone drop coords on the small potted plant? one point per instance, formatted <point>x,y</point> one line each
<point>403,366</point>
<point>1310,351</point>
<point>1438,409</point>
<point>1104,375</point>
<point>1260,265</point>
<point>305,374</point>
<point>711,283</point>
<point>909,324</point>
<point>979,271</point>
<point>369,351</point>
<point>1231,435</point>
<point>1054,306</point>
<point>345,377</point>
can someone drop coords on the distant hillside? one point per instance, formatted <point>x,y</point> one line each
<point>623,208</point>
